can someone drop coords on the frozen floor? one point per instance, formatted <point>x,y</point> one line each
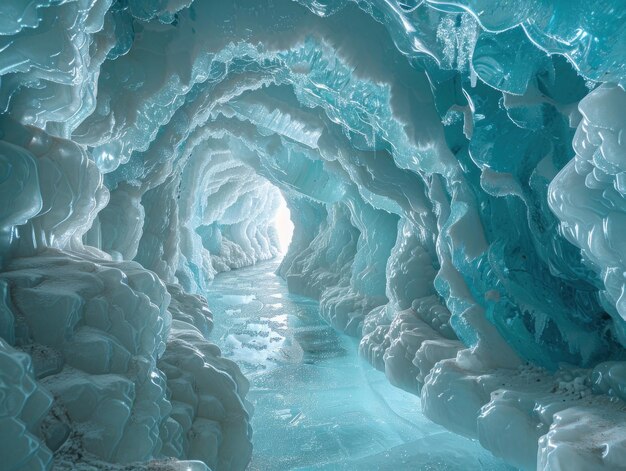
<point>317,404</point>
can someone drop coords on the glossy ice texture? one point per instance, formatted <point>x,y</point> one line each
<point>456,174</point>
<point>317,404</point>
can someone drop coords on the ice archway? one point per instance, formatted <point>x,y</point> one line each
<point>455,172</point>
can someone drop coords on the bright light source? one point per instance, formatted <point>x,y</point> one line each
<point>284,226</point>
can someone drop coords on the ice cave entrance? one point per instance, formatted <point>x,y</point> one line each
<point>284,225</point>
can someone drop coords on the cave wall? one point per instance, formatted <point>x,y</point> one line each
<point>455,174</point>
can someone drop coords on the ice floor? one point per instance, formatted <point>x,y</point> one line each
<point>317,404</point>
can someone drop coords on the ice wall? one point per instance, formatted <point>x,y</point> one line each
<point>455,171</point>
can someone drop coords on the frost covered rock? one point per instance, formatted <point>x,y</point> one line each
<point>208,420</point>
<point>24,405</point>
<point>98,333</point>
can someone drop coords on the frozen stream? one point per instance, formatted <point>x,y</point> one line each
<point>317,404</point>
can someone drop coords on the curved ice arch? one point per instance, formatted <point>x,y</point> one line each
<point>539,355</point>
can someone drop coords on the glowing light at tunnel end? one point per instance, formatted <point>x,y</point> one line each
<point>284,226</point>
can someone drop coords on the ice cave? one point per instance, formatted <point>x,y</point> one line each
<point>313,235</point>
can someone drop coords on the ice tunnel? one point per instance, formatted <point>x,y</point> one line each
<point>449,177</point>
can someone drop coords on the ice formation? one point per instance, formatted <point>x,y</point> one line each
<point>455,172</point>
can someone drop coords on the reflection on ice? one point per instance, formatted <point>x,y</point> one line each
<point>317,404</point>
<point>234,299</point>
